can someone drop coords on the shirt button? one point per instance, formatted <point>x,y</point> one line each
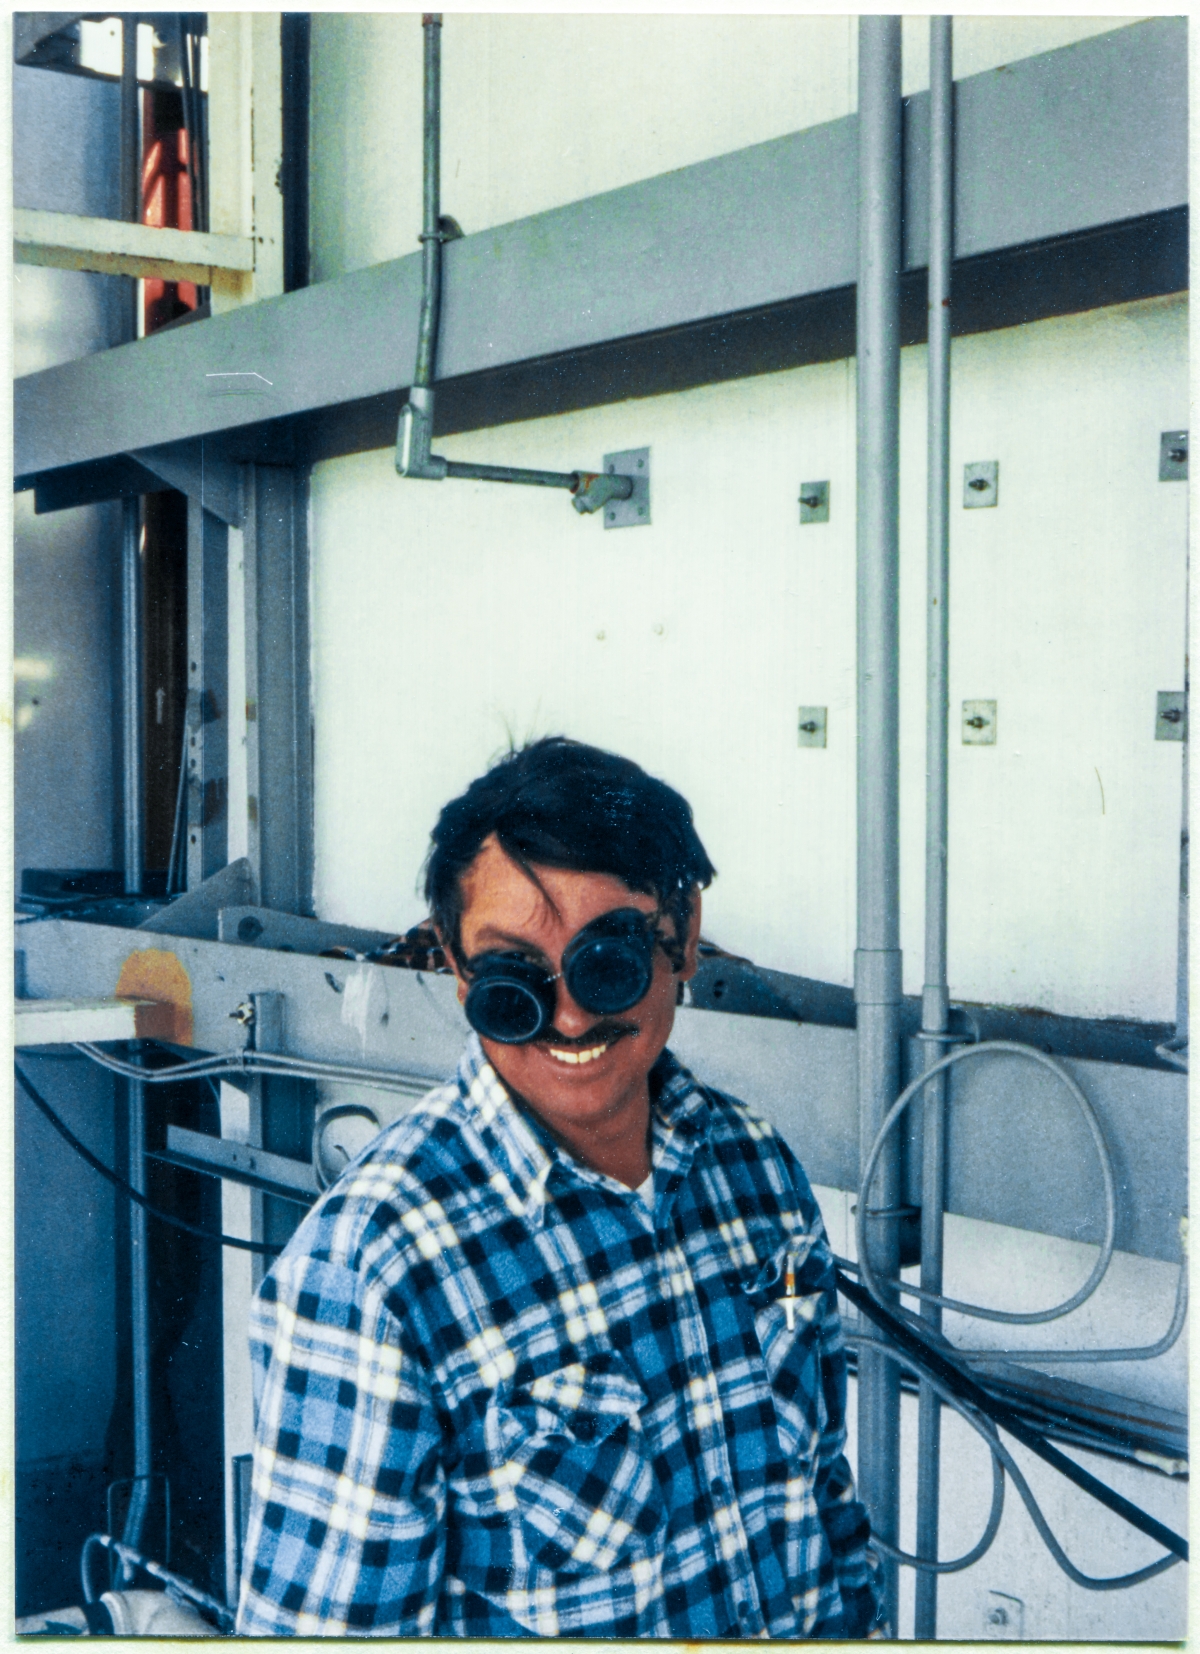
<point>720,1487</point>
<point>743,1610</point>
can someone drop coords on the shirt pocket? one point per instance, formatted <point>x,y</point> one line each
<point>791,1353</point>
<point>567,1456</point>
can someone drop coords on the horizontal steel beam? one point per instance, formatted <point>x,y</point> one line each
<point>1071,176</point>
<point>110,247</point>
<point>274,1174</point>
<point>1017,1154</point>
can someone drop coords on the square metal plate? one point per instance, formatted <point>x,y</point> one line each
<point>981,483</point>
<point>1173,456</point>
<point>1170,721</point>
<point>814,502</point>
<point>635,511</point>
<point>810,726</point>
<point>979,723</point>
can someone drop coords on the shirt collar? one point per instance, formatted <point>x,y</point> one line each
<point>521,1155</point>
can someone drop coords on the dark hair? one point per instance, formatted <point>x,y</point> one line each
<point>559,803</point>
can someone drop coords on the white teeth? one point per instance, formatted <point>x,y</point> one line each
<point>578,1056</point>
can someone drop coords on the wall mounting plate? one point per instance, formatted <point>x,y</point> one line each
<point>811,722</point>
<point>1173,456</point>
<point>981,483</point>
<point>1170,721</point>
<point>979,723</point>
<point>814,502</point>
<point>635,511</point>
<point>1003,1617</point>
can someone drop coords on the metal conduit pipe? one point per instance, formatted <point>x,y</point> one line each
<point>935,1000</point>
<point>877,976</point>
<point>139,1294</point>
<point>591,490</point>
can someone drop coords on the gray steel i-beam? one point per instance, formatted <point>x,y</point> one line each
<point>935,1003</point>
<point>206,725</point>
<point>877,974</point>
<point>278,708</point>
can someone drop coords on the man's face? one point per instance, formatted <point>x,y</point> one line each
<point>586,1069</point>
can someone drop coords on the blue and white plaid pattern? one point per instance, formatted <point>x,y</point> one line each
<point>497,1395</point>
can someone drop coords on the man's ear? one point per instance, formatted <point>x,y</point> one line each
<point>451,960</point>
<point>691,958</point>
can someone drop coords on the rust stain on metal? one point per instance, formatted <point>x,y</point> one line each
<point>158,976</point>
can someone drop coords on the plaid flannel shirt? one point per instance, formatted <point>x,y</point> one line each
<point>497,1395</point>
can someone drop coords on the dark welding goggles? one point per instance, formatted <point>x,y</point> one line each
<point>607,967</point>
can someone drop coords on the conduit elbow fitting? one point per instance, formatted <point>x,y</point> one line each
<point>415,438</point>
<point>593,490</point>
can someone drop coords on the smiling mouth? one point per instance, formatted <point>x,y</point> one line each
<point>574,1055</point>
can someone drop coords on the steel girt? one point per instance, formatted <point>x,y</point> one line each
<point>1004,1114</point>
<point>1071,179</point>
<point>278,706</point>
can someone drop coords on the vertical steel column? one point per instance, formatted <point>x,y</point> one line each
<point>131,566</point>
<point>207,715</point>
<point>132,733</point>
<point>877,978</point>
<point>935,1002</point>
<point>278,710</point>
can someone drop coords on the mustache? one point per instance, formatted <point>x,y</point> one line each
<point>609,1031</point>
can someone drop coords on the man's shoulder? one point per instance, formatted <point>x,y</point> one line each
<point>422,1161</point>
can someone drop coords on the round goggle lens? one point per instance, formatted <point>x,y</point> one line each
<point>507,1010</point>
<point>608,975</point>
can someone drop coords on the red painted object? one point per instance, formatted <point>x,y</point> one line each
<point>166,198</point>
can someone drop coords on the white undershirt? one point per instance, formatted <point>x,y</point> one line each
<point>646,1190</point>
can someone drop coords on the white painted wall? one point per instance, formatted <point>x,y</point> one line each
<point>449,618</point>
<point>543,109</point>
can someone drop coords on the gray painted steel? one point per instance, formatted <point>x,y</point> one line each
<point>1088,136</point>
<point>194,470</point>
<point>132,735</point>
<point>278,704</point>
<point>877,976</point>
<point>1017,1153</point>
<point>275,1174</point>
<point>206,721</point>
<point>935,1002</point>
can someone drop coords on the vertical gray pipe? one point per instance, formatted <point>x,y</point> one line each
<point>131,707</point>
<point>935,1001</point>
<point>140,1301</point>
<point>431,242</point>
<point>877,984</point>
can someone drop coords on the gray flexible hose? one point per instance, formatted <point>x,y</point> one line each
<point>988,1431</point>
<point>956,1564</point>
<point>1012,1317</point>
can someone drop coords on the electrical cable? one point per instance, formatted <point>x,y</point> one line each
<point>1144,1352</point>
<point>932,1364</point>
<point>956,1564</point>
<point>97,1165</point>
<point>1011,1317</point>
<point>174,1582</point>
<point>177,860</point>
<point>1002,1458</point>
<point>261,1062</point>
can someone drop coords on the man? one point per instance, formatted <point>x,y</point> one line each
<point>559,1354</point>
